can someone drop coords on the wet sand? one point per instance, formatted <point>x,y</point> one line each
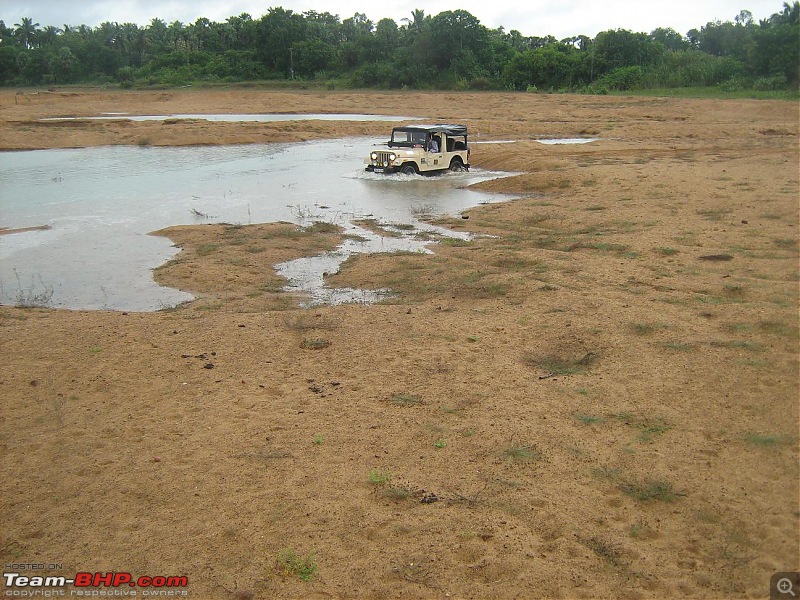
<point>11,230</point>
<point>579,403</point>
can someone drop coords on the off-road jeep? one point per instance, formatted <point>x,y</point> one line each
<point>422,149</point>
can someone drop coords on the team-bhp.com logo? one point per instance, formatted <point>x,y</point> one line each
<point>95,584</point>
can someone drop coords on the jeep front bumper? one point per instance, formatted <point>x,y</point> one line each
<point>384,162</point>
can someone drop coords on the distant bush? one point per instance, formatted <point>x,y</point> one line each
<point>622,78</point>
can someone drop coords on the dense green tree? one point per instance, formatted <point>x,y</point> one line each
<point>554,66</point>
<point>670,39</point>
<point>26,32</point>
<point>387,39</point>
<point>6,34</point>
<point>458,42</point>
<point>776,48</point>
<point>623,48</point>
<point>418,21</point>
<point>276,33</point>
<point>450,49</point>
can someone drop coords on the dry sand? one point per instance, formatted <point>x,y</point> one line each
<point>600,399</point>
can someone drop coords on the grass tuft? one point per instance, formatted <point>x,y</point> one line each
<point>378,476</point>
<point>650,490</point>
<point>588,419</point>
<point>292,563</point>
<point>765,440</point>
<point>522,453</point>
<point>405,399</point>
<point>560,365</point>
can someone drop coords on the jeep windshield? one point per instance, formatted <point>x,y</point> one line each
<point>407,138</point>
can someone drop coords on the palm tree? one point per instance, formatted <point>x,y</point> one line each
<point>791,13</point>
<point>48,35</point>
<point>417,20</point>
<point>26,32</point>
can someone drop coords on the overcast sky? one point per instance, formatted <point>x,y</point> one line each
<point>560,18</point>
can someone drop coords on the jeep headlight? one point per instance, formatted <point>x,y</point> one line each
<point>392,156</point>
<point>374,156</point>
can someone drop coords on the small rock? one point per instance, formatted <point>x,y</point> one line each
<point>208,366</point>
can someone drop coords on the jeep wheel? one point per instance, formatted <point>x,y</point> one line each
<point>456,164</point>
<point>408,170</point>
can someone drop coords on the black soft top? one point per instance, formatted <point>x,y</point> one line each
<point>446,129</point>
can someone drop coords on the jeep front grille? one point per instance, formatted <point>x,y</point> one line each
<point>383,158</point>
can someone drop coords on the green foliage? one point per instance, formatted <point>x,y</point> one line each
<point>556,66</point>
<point>449,50</point>
<point>650,490</point>
<point>378,476</point>
<point>292,563</point>
<point>622,78</point>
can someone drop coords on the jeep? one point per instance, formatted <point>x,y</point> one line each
<point>417,149</point>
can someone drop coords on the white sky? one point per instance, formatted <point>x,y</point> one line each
<point>559,18</point>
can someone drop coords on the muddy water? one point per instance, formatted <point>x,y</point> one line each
<point>100,204</point>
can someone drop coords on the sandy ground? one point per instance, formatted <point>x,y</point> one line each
<point>598,399</point>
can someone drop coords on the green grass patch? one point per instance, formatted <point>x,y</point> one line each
<point>405,399</point>
<point>292,563</point>
<point>322,227</point>
<point>378,476</point>
<point>206,249</point>
<point>588,419</point>
<point>522,453</point>
<point>766,440</point>
<point>645,329</point>
<point>649,490</point>
<point>778,328</point>
<point>455,242</point>
<point>606,472</point>
<point>607,247</point>
<point>737,344</point>
<point>649,427</point>
<point>714,214</point>
<point>679,346</point>
<point>785,243</point>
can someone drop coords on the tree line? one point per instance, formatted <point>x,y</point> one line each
<point>450,50</point>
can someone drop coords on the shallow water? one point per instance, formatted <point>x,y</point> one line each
<point>235,118</point>
<point>546,141</point>
<point>100,204</point>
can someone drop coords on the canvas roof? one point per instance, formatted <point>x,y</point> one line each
<point>446,129</point>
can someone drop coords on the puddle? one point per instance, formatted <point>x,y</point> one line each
<point>100,204</point>
<point>568,141</point>
<point>259,118</point>
<point>542,141</point>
